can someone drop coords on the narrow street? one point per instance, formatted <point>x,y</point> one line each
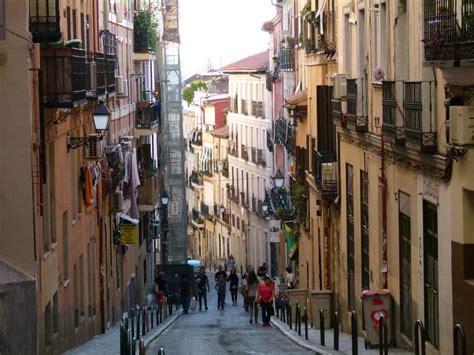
<point>222,332</point>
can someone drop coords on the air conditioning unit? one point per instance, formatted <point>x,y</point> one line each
<point>139,5</point>
<point>117,202</point>
<point>461,125</point>
<point>125,88</point>
<point>340,86</point>
<point>120,85</point>
<point>93,148</point>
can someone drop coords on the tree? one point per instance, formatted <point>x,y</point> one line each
<point>188,92</point>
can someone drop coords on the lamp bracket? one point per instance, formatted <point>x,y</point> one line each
<point>76,142</point>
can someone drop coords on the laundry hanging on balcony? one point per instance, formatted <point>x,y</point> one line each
<point>132,181</point>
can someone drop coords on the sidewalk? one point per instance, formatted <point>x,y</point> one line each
<point>314,341</point>
<point>109,343</point>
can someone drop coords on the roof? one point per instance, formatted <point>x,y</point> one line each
<point>10,275</point>
<point>222,132</point>
<point>257,63</point>
<point>298,99</point>
<point>218,97</point>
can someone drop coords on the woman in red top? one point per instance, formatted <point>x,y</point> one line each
<point>265,296</point>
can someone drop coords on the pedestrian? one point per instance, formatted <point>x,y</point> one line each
<point>220,273</point>
<point>220,288</point>
<point>234,285</point>
<point>262,270</point>
<point>202,282</point>
<point>185,292</point>
<point>252,287</point>
<point>161,287</point>
<point>244,291</point>
<point>265,296</point>
<point>231,263</point>
<point>290,278</point>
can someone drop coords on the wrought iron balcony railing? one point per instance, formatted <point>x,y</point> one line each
<point>254,155</point>
<point>244,154</point>
<point>355,101</point>
<point>148,116</point>
<point>287,59</point>
<point>144,38</point>
<point>392,132</point>
<point>196,217</point>
<point>45,20</point>
<point>196,179</point>
<point>206,211</point>
<point>260,159</point>
<point>244,201</point>
<point>325,173</point>
<point>64,76</point>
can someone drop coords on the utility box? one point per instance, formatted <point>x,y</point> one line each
<point>321,299</point>
<point>374,304</point>
<point>299,296</point>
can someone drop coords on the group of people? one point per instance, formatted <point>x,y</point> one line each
<point>257,288</point>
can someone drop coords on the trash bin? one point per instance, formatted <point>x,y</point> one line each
<point>321,299</point>
<point>297,295</point>
<point>374,304</point>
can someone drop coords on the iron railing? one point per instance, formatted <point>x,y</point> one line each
<point>45,20</point>
<point>393,133</point>
<point>287,59</point>
<point>324,170</point>
<point>110,64</point>
<point>64,76</point>
<point>148,117</point>
<point>244,154</point>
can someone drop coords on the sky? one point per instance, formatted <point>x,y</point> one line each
<point>221,31</point>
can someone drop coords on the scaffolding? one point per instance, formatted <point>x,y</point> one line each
<point>172,152</point>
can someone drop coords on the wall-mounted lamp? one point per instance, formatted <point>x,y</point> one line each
<point>278,179</point>
<point>101,116</point>
<point>164,199</point>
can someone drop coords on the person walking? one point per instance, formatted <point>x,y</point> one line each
<point>220,273</point>
<point>252,287</point>
<point>202,282</point>
<point>262,270</point>
<point>220,288</point>
<point>161,288</point>
<point>244,291</point>
<point>185,292</point>
<point>231,263</point>
<point>234,285</point>
<point>265,296</point>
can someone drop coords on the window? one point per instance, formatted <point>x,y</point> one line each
<point>430,274</point>
<point>413,106</point>
<point>65,247</point>
<point>380,36</point>
<point>361,41</point>
<point>81,285</point>
<point>389,102</point>
<point>2,20</point>
<point>350,237</point>
<point>347,44</point>
<point>48,325</point>
<point>364,223</point>
<point>405,264</point>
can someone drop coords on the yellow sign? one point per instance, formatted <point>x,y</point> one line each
<point>128,233</point>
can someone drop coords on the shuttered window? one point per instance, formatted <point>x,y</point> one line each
<point>325,124</point>
<point>2,20</point>
<point>69,22</point>
<point>364,225</point>
<point>350,237</point>
<point>74,24</point>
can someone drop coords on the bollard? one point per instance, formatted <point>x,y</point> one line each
<point>137,312</point>
<point>321,327</point>
<point>299,320</point>
<point>355,349</point>
<point>383,335</point>
<point>336,331</point>
<point>459,331</point>
<point>153,310</point>
<point>129,341</point>
<point>176,301</point>
<point>132,322</point>
<point>122,340</point>
<point>420,329</point>
<point>134,346</point>
<point>141,347</point>
<point>296,316</point>
<point>170,306</point>
<point>290,321</point>
<point>161,351</point>
<point>283,313</point>
<point>143,321</point>
<point>255,312</point>
<point>305,323</point>
<point>147,319</point>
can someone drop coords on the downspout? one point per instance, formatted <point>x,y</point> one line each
<point>383,191</point>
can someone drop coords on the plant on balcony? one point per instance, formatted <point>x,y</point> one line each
<point>145,24</point>
<point>149,173</point>
<point>188,92</point>
<point>299,202</point>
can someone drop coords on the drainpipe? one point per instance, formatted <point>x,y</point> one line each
<point>383,191</point>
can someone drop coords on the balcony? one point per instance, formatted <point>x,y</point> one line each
<point>147,118</point>
<point>356,119</point>
<point>45,21</point>
<point>234,194</point>
<point>148,194</point>
<point>101,73</point>
<point>244,201</point>
<point>325,173</point>
<point>253,204</point>
<point>232,151</point>
<point>287,59</point>
<point>254,155</point>
<point>257,109</point>
<point>144,36</point>
<point>337,115</point>
<point>196,219</point>
<point>281,203</point>
<point>206,211</point>
<point>225,217</point>
<point>424,142</point>
<point>392,133</point>
<point>207,173</point>
<point>448,31</point>
<point>196,180</point>
<point>245,107</point>
<point>225,168</point>
<point>196,138</point>
<point>244,154</point>
<point>110,65</point>
<point>64,77</point>
<point>260,158</point>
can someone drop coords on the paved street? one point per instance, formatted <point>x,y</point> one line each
<point>222,332</point>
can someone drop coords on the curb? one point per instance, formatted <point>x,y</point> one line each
<point>155,335</point>
<point>298,340</point>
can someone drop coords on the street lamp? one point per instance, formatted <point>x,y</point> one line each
<point>100,116</point>
<point>164,198</point>
<point>278,179</point>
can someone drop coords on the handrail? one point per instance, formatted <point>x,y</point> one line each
<point>383,344</point>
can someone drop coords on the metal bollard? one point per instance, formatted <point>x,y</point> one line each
<point>283,313</point>
<point>134,346</point>
<point>129,341</point>
<point>143,321</point>
<point>383,344</point>
<point>137,312</point>
<point>255,312</point>
<point>420,329</point>
<point>176,301</point>
<point>132,322</point>
<point>152,311</point>
<point>141,347</point>
<point>321,327</point>
<point>299,320</point>
<point>355,349</point>
<point>296,316</point>
<point>122,340</point>
<point>290,321</point>
<point>336,331</point>
<point>170,306</point>
<point>161,351</point>
<point>459,331</point>
<point>305,323</point>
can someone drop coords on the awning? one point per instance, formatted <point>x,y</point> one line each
<point>129,219</point>
<point>298,99</point>
<point>291,242</point>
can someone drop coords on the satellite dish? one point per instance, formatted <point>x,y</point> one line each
<point>378,74</point>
